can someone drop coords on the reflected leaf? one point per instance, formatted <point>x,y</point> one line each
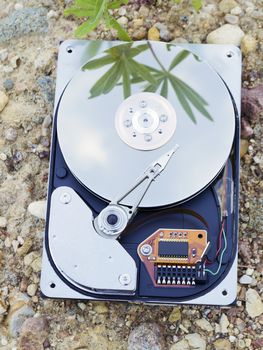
<point>179,58</point>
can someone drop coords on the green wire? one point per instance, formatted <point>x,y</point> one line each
<point>221,257</point>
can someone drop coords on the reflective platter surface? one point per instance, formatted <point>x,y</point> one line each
<point>107,166</point>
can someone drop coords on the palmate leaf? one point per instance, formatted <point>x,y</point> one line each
<point>95,11</point>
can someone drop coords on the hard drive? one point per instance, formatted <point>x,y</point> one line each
<point>144,173</point>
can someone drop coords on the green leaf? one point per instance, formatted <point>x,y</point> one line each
<point>116,73</point>
<point>126,80</point>
<point>122,34</point>
<point>194,98</point>
<point>137,50</point>
<point>164,89</point>
<point>104,83</point>
<point>91,24</point>
<point>179,58</point>
<point>141,70</point>
<point>153,87</point>
<point>117,4</point>
<point>94,47</point>
<point>197,4</point>
<point>99,62</point>
<point>183,101</point>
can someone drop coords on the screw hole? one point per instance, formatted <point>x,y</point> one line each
<point>230,54</point>
<point>69,49</point>
<point>130,211</point>
<point>52,285</point>
<point>224,292</point>
<point>200,235</point>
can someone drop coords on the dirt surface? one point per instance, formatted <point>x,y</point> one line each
<point>30,33</point>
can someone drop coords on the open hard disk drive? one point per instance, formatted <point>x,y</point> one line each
<point>144,174</point>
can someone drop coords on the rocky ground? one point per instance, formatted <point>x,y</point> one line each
<point>30,32</point>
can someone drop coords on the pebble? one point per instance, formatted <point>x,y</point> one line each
<point>34,332</point>
<point>3,222</point>
<point>38,209</point>
<point>196,341</point>
<point>165,35</point>
<point>245,279</point>
<point>223,323</point>
<point>181,345</point>
<point>231,19</point>
<point>147,336</point>
<point>46,85</point>
<point>8,84</point>
<point>18,312</point>
<point>243,147</point>
<point>227,5</point>
<point>11,134</point>
<point>23,22</point>
<point>227,34</point>
<point>3,100</point>
<point>139,34</point>
<point>252,102</point>
<point>101,308</point>
<point>18,6</point>
<point>144,11</point>
<point>123,21</point>
<point>52,14</point>
<point>248,44</point>
<point>236,11</point>
<point>222,344</point>
<point>31,289</point>
<point>246,130</point>
<point>204,325</point>
<point>153,34</point>
<point>254,305</point>
<point>122,11</point>
<point>175,315</point>
<point>47,122</point>
<point>3,55</point>
<point>24,249</point>
<point>249,271</point>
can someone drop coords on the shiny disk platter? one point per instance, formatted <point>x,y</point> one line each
<point>129,105</point>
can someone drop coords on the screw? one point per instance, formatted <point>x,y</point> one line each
<point>127,123</point>
<point>125,279</point>
<point>147,137</point>
<point>146,249</point>
<point>143,104</point>
<point>163,118</point>
<point>65,198</point>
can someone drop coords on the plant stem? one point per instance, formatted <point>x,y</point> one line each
<point>156,58</point>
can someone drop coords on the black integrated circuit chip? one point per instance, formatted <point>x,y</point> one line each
<point>173,249</point>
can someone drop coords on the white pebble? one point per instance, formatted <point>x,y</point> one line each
<point>18,6</point>
<point>245,279</point>
<point>227,34</point>
<point>3,222</point>
<point>38,209</point>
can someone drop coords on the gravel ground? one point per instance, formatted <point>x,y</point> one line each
<point>30,32</point>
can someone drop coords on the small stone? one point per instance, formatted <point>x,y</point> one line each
<point>144,11</point>
<point>164,32</point>
<point>123,21</point>
<point>243,148</point>
<point>181,345</point>
<point>52,14</point>
<point>3,100</point>
<point>11,134</point>
<point>227,5</point>
<point>38,209</point>
<point>254,305</point>
<point>24,249</point>
<point>222,344</point>
<point>36,264</point>
<point>252,102</point>
<point>249,271</point>
<point>246,130</point>
<point>139,34</point>
<point>224,323</point>
<point>31,289</point>
<point>231,19</point>
<point>204,325</point>
<point>122,11</point>
<point>3,55</point>
<point>3,156</point>
<point>101,308</point>
<point>8,84</point>
<point>245,279</point>
<point>46,85</point>
<point>47,121</point>
<point>175,315</point>
<point>34,332</point>
<point>196,341</point>
<point>236,11</point>
<point>3,222</point>
<point>153,34</point>
<point>227,34</point>
<point>18,312</point>
<point>138,22</point>
<point>18,6</point>
<point>29,258</point>
<point>248,44</point>
<point>147,336</point>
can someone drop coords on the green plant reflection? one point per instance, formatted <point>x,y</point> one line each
<point>125,70</point>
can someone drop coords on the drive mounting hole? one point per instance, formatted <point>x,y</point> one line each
<point>52,285</point>
<point>224,293</point>
<point>69,49</point>
<point>230,54</point>
<point>200,235</point>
